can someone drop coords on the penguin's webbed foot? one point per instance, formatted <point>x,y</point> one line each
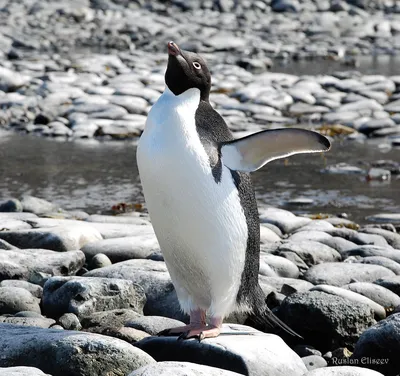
<point>200,333</point>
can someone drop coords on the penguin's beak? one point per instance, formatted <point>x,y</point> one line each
<point>173,49</point>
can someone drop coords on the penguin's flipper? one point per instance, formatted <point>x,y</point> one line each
<point>250,153</point>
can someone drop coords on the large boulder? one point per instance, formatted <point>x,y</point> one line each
<point>84,295</point>
<point>326,321</point>
<point>248,352</point>
<point>68,353</point>
<point>379,347</point>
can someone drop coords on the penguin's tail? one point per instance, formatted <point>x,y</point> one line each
<point>265,318</point>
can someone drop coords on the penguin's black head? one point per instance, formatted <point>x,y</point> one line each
<point>187,70</point>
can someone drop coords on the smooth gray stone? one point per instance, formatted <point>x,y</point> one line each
<point>16,299</point>
<point>14,225</point>
<point>376,124</point>
<point>153,324</point>
<point>383,261</point>
<point>86,354</point>
<point>11,205</point>
<point>181,369</point>
<point>312,235</point>
<point>134,105</point>
<point>379,310</point>
<point>343,168</point>
<point>368,239</point>
<point>381,341</point>
<point>280,266</point>
<point>286,221</point>
<point>6,246</point>
<point>83,295</point>
<point>268,236</point>
<point>281,284</point>
<point>22,371</point>
<point>377,293</point>
<point>343,371</point>
<point>23,263</point>
<point>300,108</point>
<point>339,274</point>
<point>35,290</point>
<point>314,362</point>
<point>154,278</point>
<point>70,321</point>
<point>393,106</point>
<point>122,249</point>
<point>242,349</point>
<point>311,252</point>
<point>60,239</point>
<point>393,239</point>
<point>321,225</point>
<point>391,283</point>
<point>37,205</point>
<point>40,322</point>
<point>385,218</point>
<point>313,312</point>
<point>340,244</point>
<point>128,219</point>
<point>373,250</point>
<point>99,260</point>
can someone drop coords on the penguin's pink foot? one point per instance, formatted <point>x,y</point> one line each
<point>201,333</point>
<point>197,319</point>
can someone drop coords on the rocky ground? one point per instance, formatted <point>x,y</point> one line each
<point>83,69</point>
<point>86,295</point>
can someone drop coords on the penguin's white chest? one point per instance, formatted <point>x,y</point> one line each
<point>199,223</point>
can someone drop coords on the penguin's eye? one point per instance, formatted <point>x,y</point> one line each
<point>197,65</point>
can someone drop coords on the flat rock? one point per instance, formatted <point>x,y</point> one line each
<point>86,354</point>
<point>371,250</point>
<point>122,249</point>
<point>393,239</point>
<point>23,263</point>
<point>379,310</point>
<point>154,278</point>
<point>58,239</point>
<point>339,274</point>
<point>314,312</point>
<point>83,295</point>
<point>181,369</point>
<point>281,284</point>
<point>381,342</point>
<point>383,261</point>
<point>248,352</point>
<point>15,299</point>
<point>377,293</point>
<point>343,371</point>
<point>22,371</point>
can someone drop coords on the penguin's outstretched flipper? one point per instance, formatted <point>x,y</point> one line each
<point>250,153</point>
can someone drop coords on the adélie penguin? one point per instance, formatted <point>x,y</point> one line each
<point>199,195</point>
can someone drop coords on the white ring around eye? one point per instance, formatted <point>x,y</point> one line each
<point>197,65</point>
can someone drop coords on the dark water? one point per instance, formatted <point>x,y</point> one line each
<point>93,176</point>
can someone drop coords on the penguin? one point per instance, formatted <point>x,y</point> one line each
<point>196,183</point>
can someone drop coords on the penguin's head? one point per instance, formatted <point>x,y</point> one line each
<point>187,70</point>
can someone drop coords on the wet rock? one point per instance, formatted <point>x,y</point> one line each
<point>83,296</point>
<point>339,274</point>
<point>15,299</point>
<point>154,278</point>
<point>24,263</point>
<point>87,354</point>
<point>343,168</point>
<point>377,293</point>
<point>313,312</point>
<point>381,342</point>
<point>181,369</point>
<point>153,324</point>
<point>122,249</point>
<point>231,352</point>
<point>351,295</point>
<point>314,362</point>
<point>35,290</point>
<point>12,205</point>
<point>58,239</point>
<point>385,218</point>
<point>22,371</point>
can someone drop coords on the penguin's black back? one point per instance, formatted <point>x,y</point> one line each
<point>213,133</point>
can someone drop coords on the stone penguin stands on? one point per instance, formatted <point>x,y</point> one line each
<point>200,198</point>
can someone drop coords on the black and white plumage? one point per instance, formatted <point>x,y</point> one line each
<point>200,198</point>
